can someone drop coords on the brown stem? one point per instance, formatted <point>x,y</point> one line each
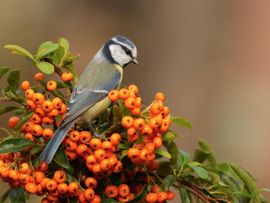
<point>2,99</point>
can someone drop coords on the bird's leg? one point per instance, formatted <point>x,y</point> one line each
<point>93,130</point>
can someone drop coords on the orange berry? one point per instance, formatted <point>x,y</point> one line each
<point>113,95</point>
<point>111,191</point>
<point>139,123</point>
<point>105,165</point>
<point>47,120</point>
<point>85,137</point>
<point>13,121</point>
<point>156,108</point>
<point>127,121</point>
<point>130,103</point>
<point>14,175</point>
<point>38,176</point>
<point>147,130</point>
<point>99,154</point>
<point>96,199</point>
<point>89,193</point>
<point>71,155</point>
<point>37,130</point>
<point>162,196</point>
<point>43,166</point>
<point>91,160</point>
<point>124,93</point>
<point>115,139</point>
<point>106,145</point>
<point>133,88</point>
<point>165,111</point>
<point>25,85</point>
<point>160,96</point>
<point>44,182</point>
<point>138,102</point>
<point>24,178</point>
<point>150,147</point>
<point>51,85</point>
<point>157,142</point>
<point>53,113</point>
<point>60,176</point>
<point>123,190</point>
<point>38,98</point>
<point>47,133</point>
<point>39,76</point>
<point>30,104</point>
<point>113,161</point>
<point>24,168</point>
<point>29,93</point>
<point>151,198</point>
<point>133,153</point>
<point>144,155</point>
<point>74,135</point>
<point>29,136</point>
<point>95,143</point>
<point>155,122</point>
<point>96,168</point>
<point>136,111</point>
<point>62,188</point>
<point>67,76</point>
<point>63,109</point>
<point>152,165</point>
<point>31,188</point>
<point>47,106</point>
<point>70,145</point>
<point>118,167</point>
<point>57,103</point>
<point>82,150</point>
<point>170,195</point>
<point>123,199</point>
<point>91,182</point>
<point>35,119</point>
<point>51,185</point>
<point>39,111</point>
<point>73,187</point>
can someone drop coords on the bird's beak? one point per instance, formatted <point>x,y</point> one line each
<point>135,61</point>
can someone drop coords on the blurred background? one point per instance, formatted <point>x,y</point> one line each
<point>210,58</point>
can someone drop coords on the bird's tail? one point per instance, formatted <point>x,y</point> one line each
<point>52,146</point>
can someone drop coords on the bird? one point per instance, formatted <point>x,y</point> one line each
<point>89,97</point>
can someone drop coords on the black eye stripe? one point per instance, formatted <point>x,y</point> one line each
<point>128,52</point>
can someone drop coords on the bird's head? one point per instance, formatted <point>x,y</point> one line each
<point>120,50</point>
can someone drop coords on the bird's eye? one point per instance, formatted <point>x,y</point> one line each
<point>128,52</point>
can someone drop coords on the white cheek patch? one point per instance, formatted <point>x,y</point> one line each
<point>119,55</point>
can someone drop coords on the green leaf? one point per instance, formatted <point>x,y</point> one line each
<point>105,199</point>
<point>14,80</point>
<point>46,48</point>
<point>164,169</point>
<point>15,49</point>
<point>5,109</point>
<point>163,153</point>
<point>4,197</point>
<point>63,42</point>
<point>184,195</point>
<point>3,70</point>
<point>62,52</point>
<point>185,157</point>
<point>169,181</point>
<point>45,67</point>
<point>170,135</point>
<point>182,122</point>
<point>15,145</point>
<point>200,171</point>
<point>123,146</point>
<point>175,154</point>
<point>36,150</point>
<point>205,153</point>
<point>61,159</point>
<point>248,181</point>
<point>24,119</point>
<point>16,195</point>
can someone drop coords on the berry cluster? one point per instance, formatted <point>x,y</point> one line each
<point>134,141</point>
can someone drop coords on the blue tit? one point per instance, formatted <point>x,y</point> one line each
<point>90,95</point>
